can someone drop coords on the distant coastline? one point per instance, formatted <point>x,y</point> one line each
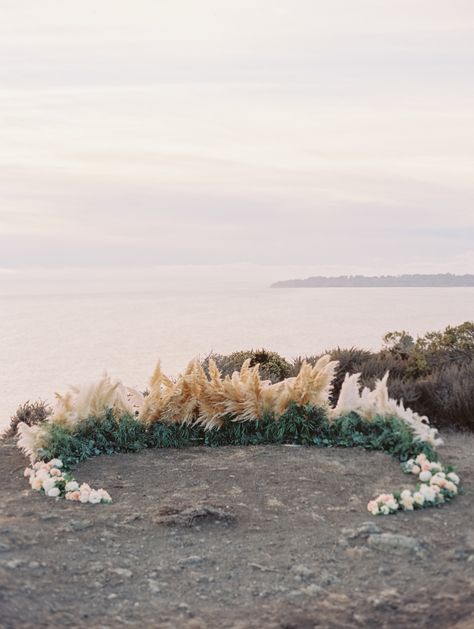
<point>439,280</point>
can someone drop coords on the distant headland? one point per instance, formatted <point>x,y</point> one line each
<point>438,280</point>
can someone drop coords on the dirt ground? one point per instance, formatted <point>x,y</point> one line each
<point>241,537</point>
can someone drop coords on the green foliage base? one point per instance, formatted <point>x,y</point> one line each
<point>302,425</point>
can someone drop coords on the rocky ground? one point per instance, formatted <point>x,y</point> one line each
<point>267,537</point>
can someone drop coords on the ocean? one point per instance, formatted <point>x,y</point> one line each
<point>50,341</point>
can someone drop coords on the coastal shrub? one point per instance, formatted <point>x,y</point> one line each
<point>273,367</point>
<point>433,374</point>
<point>29,413</point>
<point>448,395</point>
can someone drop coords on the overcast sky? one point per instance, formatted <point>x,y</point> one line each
<point>332,134</point>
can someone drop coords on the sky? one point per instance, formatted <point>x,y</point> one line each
<point>332,136</point>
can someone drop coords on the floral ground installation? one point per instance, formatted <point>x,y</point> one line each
<point>202,408</point>
<point>50,478</point>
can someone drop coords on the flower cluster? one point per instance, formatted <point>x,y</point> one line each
<point>50,478</point>
<point>383,505</point>
<point>437,485</point>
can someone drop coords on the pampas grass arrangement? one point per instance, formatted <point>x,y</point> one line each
<point>196,399</point>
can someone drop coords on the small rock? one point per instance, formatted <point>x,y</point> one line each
<point>301,572</point>
<point>49,516</point>
<point>154,586</point>
<point>122,572</point>
<point>459,554</point>
<point>312,590</point>
<point>15,563</point>
<point>274,502</point>
<point>112,596</point>
<point>81,525</point>
<point>385,570</point>
<point>356,552</point>
<point>192,560</point>
<point>4,548</point>
<point>364,530</point>
<point>133,517</point>
<point>184,607</point>
<point>385,598</point>
<point>396,543</point>
<point>33,565</point>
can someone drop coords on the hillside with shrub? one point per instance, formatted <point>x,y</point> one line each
<point>433,374</point>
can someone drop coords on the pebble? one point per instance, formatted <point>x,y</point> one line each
<point>385,598</point>
<point>81,525</point>
<point>122,572</point>
<point>364,530</point>
<point>154,586</point>
<point>191,560</point>
<point>302,572</point>
<point>15,563</point>
<point>312,590</point>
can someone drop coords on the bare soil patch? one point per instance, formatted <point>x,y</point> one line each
<point>238,537</point>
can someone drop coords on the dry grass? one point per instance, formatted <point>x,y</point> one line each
<point>197,398</point>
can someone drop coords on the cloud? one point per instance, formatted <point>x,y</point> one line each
<point>203,132</point>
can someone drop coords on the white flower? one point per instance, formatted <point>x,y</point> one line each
<point>94,497</point>
<point>437,479</point>
<point>407,503</point>
<point>84,497</point>
<point>436,467</point>
<point>53,492</point>
<point>451,487</point>
<point>454,478</point>
<point>384,510</point>
<point>72,485</point>
<point>43,474</point>
<point>425,476</point>
<point>406,493</point>
<point>421,458</point>
<point>419,498</point>
<point>48,484</point>
<point>428,493</point>
<point>104,495</point>
<point>392,505</point>
<point>416,469</point>
<point>36,483</point>
<point>56,463</point>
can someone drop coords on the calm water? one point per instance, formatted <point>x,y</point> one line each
<point>48,342</point>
